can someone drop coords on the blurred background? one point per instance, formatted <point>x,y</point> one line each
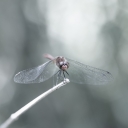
<point>93,32</point>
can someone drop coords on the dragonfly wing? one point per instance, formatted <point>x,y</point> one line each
<point>37,74</point>
<point>84,74</point>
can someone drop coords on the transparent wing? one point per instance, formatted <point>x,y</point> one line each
<point>37,74</point>
<point>84,74</point>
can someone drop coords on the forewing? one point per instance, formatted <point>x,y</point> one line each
<point>37,74</point>
<point>84,74</point>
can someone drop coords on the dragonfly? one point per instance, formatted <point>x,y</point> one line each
<point>61,68</point>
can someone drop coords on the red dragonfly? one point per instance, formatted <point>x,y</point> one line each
<point>61,68</point>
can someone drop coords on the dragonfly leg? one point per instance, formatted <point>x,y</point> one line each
<point>58,76</point>
<point>57,72</point>
<point>55,78</point>
<point>64,76</point>
<point>66,72</point>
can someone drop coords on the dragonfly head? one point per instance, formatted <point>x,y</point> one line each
<point>64,67</point>
<point>62,63</point>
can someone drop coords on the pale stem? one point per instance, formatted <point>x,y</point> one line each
<point>16,115</point>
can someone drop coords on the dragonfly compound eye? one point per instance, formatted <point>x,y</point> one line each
<point>61,63</point>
